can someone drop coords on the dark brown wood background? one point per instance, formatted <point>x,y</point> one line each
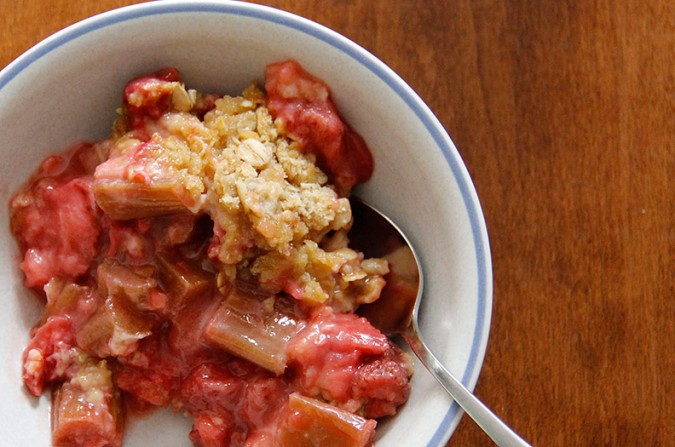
<point>564,114</point>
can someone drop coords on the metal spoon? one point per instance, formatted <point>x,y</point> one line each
<point>396,312</point>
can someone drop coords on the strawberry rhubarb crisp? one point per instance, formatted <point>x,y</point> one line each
<point>198,258</point>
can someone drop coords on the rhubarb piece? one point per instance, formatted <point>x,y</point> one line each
<point>120,199</point>
<point>149,178</point>
<point>86,410</point>
<point>122,318</point>
<point>255,329</point>
<point>113,330</point>
<point>181,280</point>
<point>67,298</point>
<point>137,287</point>
<point>312,423</point>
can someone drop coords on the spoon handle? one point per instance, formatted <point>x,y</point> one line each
<point>495,428</point>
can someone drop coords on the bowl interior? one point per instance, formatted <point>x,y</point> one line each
<point>67,89</point>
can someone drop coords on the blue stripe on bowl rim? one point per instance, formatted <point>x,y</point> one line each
<point>373,64</point>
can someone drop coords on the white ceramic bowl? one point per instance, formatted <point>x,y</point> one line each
<point>67,88</point>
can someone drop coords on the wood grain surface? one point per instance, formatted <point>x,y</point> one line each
<point>563,112</point>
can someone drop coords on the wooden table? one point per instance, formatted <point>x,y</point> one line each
<point>564,114</point>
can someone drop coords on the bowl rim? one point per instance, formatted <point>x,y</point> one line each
<point>376,67</point>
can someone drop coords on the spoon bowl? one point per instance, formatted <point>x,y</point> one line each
<point>397,310</point>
